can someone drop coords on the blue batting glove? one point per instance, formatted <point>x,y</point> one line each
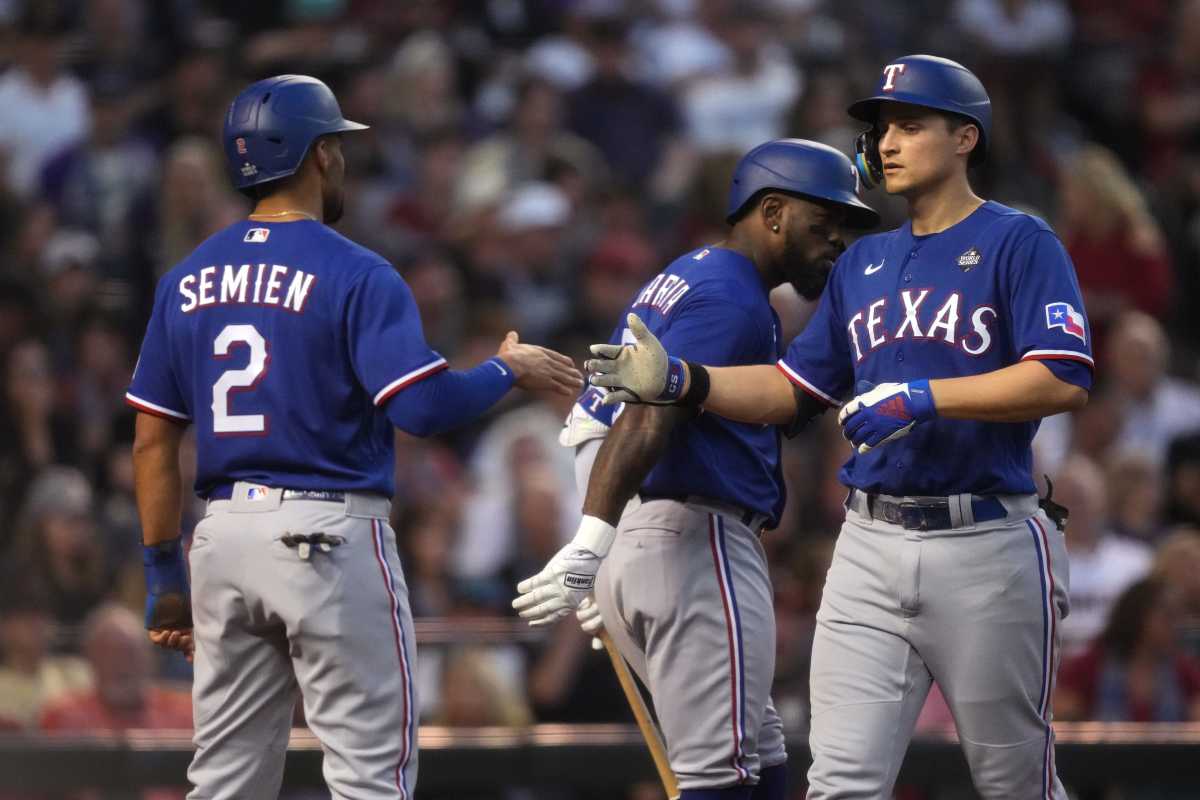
<point>885,413</point>
<point>168,597</point>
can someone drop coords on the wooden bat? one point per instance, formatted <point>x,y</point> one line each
<point>658,750</point>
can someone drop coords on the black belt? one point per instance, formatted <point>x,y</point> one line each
<point>744,515</point>
<point>225,492</point>
<point>927,513</point>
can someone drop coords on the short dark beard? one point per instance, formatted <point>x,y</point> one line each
<point>808,278</point>
<point>811,281</point>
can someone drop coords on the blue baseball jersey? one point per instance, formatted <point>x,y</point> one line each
<point>711,306</point>
<point>282,343</point>
<point>995,289</point>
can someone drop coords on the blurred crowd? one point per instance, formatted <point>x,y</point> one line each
<point>530,164</point>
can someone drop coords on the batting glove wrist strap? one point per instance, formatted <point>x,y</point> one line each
<point>921,397</point>
<point>676,378</point>
<point>698,385</point>
<point>595,535</point>
<point>168,597</point>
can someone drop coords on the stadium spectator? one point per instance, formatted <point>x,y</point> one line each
<point>518,451</point>
<point>1019,29</point>
<point>35,430</point>
<point>1183,480</point>
<point>192,96</point>
<point>1177,564</point>
<point>1102,563</point>
<point>72,284</point>
<point>1135,671</point>
<point>94,183</point>
<point>616,269</point>
<point>427,538</point>
<point>747,103</point>
<point>681,44</point>
<point>53,103</point>
<point>614,110</point>
<point>1156,406</point>
<point>534,276</point>
<point>532,145</point>
<point>1117,247</point>
<point>30,676</point>
<point>126,695</point>
<point>58,540</point>
<point>1169,92</point>
<point>1135,497</point>
<point>474,693</point>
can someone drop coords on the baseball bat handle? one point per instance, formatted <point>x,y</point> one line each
<point>658,751</point>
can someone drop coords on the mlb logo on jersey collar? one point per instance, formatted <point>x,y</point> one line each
<point>257,235</point>
<point>970,259</point>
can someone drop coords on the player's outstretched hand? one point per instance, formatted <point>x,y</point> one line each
<point>539,368</point>
<point>567,579</point>
<point>636,373</point>
<point>885,413</point>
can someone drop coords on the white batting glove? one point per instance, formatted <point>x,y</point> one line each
<point>566,581</point>
<point>588,615</point>
<point>885,413</point>
<point>635,373</point>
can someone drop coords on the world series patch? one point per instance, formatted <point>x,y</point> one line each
<point>970,259</point>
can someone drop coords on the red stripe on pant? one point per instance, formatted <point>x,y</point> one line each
<point>733,660</point>
<point>405,675</point>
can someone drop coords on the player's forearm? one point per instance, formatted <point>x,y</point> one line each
<point>450,399</point>
<point>629,452</point>
<point>158,481</point>
<point>758,394</point>
<point>1018,393</point>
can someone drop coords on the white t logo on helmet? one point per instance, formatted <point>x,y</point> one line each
<point>892,70</point>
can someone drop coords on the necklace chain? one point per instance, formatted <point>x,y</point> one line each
<point>284,214</point>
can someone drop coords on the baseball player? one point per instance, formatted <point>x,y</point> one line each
<point>293,352</point>
<point>967,321</point>
<point>682,585</point>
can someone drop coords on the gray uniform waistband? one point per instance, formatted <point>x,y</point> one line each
<point>252,498</point>
<point>754,521</point>
<point>1017,507</point>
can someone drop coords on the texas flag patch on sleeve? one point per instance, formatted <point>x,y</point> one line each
<point>1064,315</point>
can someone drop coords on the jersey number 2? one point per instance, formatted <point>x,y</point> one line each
<point>239,380</point>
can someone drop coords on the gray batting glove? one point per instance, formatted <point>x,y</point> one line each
<point>588,615</point>
<point>566,581</point>
<point>636,373</point>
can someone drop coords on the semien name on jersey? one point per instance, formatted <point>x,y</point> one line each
<point>250,284</point>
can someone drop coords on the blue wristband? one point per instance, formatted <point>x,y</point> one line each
<point>920,398</point>
<point>166,580</point>
<point>673,389</point>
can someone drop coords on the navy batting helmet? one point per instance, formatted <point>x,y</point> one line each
<point>800,167</point>
<point>928,81</point>
<point>271,125</point>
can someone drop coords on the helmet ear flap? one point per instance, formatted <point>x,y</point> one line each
<point>866,157</point>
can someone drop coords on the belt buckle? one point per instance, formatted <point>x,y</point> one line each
<point>892,513</point>
<point>912,515</point>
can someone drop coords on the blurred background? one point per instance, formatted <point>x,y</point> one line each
<point>530,163</point>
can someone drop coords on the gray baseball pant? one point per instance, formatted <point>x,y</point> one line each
<point>269,617</point>
<point>686,596</point>
<point>975,608</point>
